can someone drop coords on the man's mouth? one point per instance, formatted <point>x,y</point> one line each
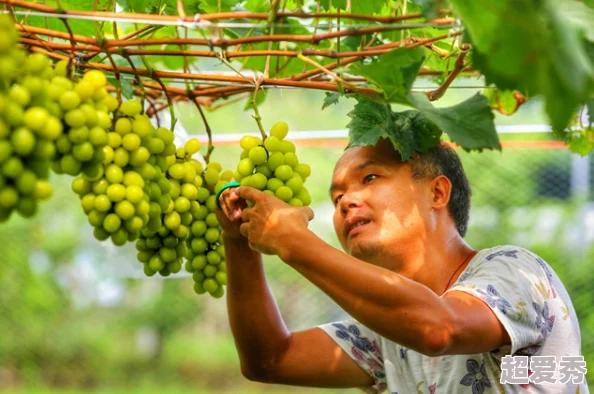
<point>355,225</point>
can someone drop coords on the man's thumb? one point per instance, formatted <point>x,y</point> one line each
<point>308,212</point>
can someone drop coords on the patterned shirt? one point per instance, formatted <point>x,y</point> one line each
<point>530,301</point>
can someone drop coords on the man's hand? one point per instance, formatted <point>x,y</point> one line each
<point>229,216</point>
<point>271,221</point>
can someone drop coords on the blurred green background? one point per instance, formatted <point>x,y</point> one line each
<point>79,316</point>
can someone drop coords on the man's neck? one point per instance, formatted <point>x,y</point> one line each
<point>432,264</point>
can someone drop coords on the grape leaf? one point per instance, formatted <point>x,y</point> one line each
<point>551,63</point>
<point>469,124</point>
<point>408,131</point>
<point>429,8</point>
<point>124,84</point>
<point>370,121</point>
<point>426,132</point>
<point>394,73</point>
<point>133,5</point>
<point>325,4</point>
<point>127,89</point>
<point>78,26</point>
<point>590,51</point>
<point>257,5</point>
<point>211,6</point>
<point>581,142</point>
<point>580,16</point>
<point>367,7</point>
<point>331,98</point>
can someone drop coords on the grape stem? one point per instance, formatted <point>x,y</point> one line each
<point>333,75</point>
<point>458,67</point>
<point>208,131</point>
<point>257,113</point>
<point>71,61</point>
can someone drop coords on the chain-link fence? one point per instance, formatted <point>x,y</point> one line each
<point>77,314</point>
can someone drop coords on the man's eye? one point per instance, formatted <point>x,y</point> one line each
<point>337,199</point>
<point>369,178</point>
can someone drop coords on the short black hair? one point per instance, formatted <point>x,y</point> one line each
<point>443,160</point>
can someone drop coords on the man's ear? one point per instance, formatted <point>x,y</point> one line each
<point>441,189</point>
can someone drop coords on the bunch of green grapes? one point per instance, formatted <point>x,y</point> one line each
<point>85,108</point>
<point>162,245</point>
<point>27,128</point>
<point>130,190</point>
<point>273,167</point>
<point>206,253</point>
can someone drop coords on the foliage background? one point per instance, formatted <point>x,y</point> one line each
<point>77,316</point>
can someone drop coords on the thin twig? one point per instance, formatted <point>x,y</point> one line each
<point>71,60</point>
<point>218,16</point>
<point>257,116</point>
<point>325,70</point>
<point>208,132</point>
<point>458,67</point>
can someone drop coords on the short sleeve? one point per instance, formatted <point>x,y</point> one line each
<point>363,346</point>
<point>514,284</point>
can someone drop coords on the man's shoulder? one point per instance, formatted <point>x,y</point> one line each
<point>510,251</point>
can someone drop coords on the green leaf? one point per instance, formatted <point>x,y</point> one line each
<point>127,89</point>
<point>211,6</point>
<point>429,8</point>
<point>133,5</point>
<point>331,98</point>
<point>469,124</point>
<point>259,100</point>
<point>81,27</point>
<point>427,134</point>
<point>394,73</point>
<point>370,121</point>
<point>368,7</point>
<point>408,131</point>
<point>581,142</point>
<point>590,51</point>
<point>257,5</point>
<point>530,46</point>
<point>590,107</point>
<point>325,4</point>
<point>579,15</point>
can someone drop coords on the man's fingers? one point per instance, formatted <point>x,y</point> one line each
<point>245,214</point>
<point>225,207</point>
<point>308,211</point>
<point>244,229</point>
<point>249,193</point>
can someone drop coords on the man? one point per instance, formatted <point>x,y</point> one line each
<point>430,314</point>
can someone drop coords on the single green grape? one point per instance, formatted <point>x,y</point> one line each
<point>276,160</point>
<point>283,172</point>
<point>258,155</point>
<point>284,193</point>
<point>279,130</point>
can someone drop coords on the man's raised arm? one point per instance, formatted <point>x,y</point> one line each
<point>268,351</point>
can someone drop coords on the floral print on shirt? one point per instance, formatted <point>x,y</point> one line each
<point>476,376</point>
<point>543,321</point>
<point>506,253</point>
<point>364,350</point>
<point>494,299</point>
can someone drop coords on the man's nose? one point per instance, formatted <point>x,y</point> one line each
<point>349,201</point>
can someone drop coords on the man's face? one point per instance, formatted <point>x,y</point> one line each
<point>378,204</point>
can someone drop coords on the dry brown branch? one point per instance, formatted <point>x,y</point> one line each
<point>220,16</point>
<point>458,67</point>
